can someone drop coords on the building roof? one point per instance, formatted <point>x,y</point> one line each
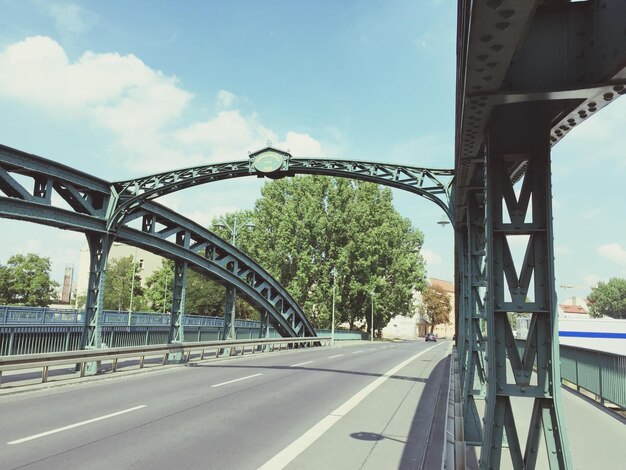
<point>572,309</point>
<point>445,285</point>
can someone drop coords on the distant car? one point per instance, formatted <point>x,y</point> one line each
<point>431,337</point>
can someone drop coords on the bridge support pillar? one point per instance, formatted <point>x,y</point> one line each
<point>519,138</point>
<point>471,344</point>
<point>177,319</point>
<point>99,247</point>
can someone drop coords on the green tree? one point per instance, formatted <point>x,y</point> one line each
<point>26,280</point>
<point>119,282</point>
<point>306,226</point>
<point>608,299</point>
<point>203,296</point>
<point>436,306</point>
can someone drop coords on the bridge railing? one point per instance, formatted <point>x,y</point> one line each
<point>600,373</point>
<point>19,315</point>
<point>589,371</point>
<point>183,351</point>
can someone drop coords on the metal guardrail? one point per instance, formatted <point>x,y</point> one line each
<point>182,350</point>
<point>19,315</point>
<point>598,372</point>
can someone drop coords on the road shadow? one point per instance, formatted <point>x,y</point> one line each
<point>312,369</point>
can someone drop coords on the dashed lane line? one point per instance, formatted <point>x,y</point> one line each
<point>75,425</point>
<point>301,364</point>
<point>284,457</point>
<point>236,380</point>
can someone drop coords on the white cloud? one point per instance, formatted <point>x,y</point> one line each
<point>613,252</point>
<point>69,18</point>
<point>302,145</point>
<point>140,107</point>
<point>225,99</point>
<point>431,258</point>
<point>119,92</point>
<point>562,250</point>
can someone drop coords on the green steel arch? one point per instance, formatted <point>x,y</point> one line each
<point>432,184</point>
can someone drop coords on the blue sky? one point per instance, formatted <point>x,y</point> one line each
<point>121,89</point>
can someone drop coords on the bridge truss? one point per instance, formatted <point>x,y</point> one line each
<point>527,73</point>
<point>106,212</point>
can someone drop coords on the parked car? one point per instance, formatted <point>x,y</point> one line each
<point>431,337</point>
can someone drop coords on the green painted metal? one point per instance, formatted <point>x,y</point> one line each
<point>526,288</point>
<point>601,373</point>
<point>432,184</point>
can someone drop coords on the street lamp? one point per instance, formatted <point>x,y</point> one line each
<point>234,231</point>
<point>372,293</point>
<point>132,285</point>
<point>332,325</point>
<point>444,221</point>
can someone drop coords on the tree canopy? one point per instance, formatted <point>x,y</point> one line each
<point>307,226</point>
<point>202,297</point>
<point>436,306</point>
<point>119,283</point>
<point>26,280</point>
<point>608,299</point>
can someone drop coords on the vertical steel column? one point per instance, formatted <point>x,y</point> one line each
<point>177,332</point>
<point>99,247</point>
<point>264,331</point>
<point>515,139</point>
<point>473,380</point>
<point>229,313</point>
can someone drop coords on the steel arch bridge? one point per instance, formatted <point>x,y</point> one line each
<point>105,211</point>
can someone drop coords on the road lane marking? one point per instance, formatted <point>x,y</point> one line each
<point>357,352</point>
<point>72,426</point>
<point>236,380</point>
<point>337,355</point>
<point>301,364</point>
<point>284,457</point>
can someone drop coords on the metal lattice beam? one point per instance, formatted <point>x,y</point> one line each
<point>80,204</point>
<point>527,73</point>
<point>432,184</point>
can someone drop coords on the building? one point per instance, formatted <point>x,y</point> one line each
<point>405,327</point>
<point>446,330</point>
<point>147,263</point>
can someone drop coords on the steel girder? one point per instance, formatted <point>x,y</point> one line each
<point>526,287</point>
<point>543,66</point>
<point>432,184</point>
<point>30,183</point>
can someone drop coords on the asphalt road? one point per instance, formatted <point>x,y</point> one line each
<point>359,406</point>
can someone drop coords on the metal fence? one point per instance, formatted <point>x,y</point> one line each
<point>601,373</point>
<point>36,330</point>
<point>598,372</point>
<point>17,315</point>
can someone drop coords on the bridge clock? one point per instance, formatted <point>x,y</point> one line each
<point>268,161</point>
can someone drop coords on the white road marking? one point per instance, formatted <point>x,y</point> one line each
<point>301,364</point>
<point>382,347</point>
<point>236,380</point>
<point>357,352</point>
<point>72,426</point>
<point>284,457</point>
<point>337,355</point>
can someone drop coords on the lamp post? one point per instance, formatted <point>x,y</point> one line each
<point>231,292</point>
<point>332,325</point>
<point>372,293</point>
<point>132,285</point>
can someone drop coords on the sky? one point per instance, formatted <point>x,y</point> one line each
<point>121,89</point>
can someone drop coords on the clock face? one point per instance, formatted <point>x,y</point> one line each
<point>268,162</point>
